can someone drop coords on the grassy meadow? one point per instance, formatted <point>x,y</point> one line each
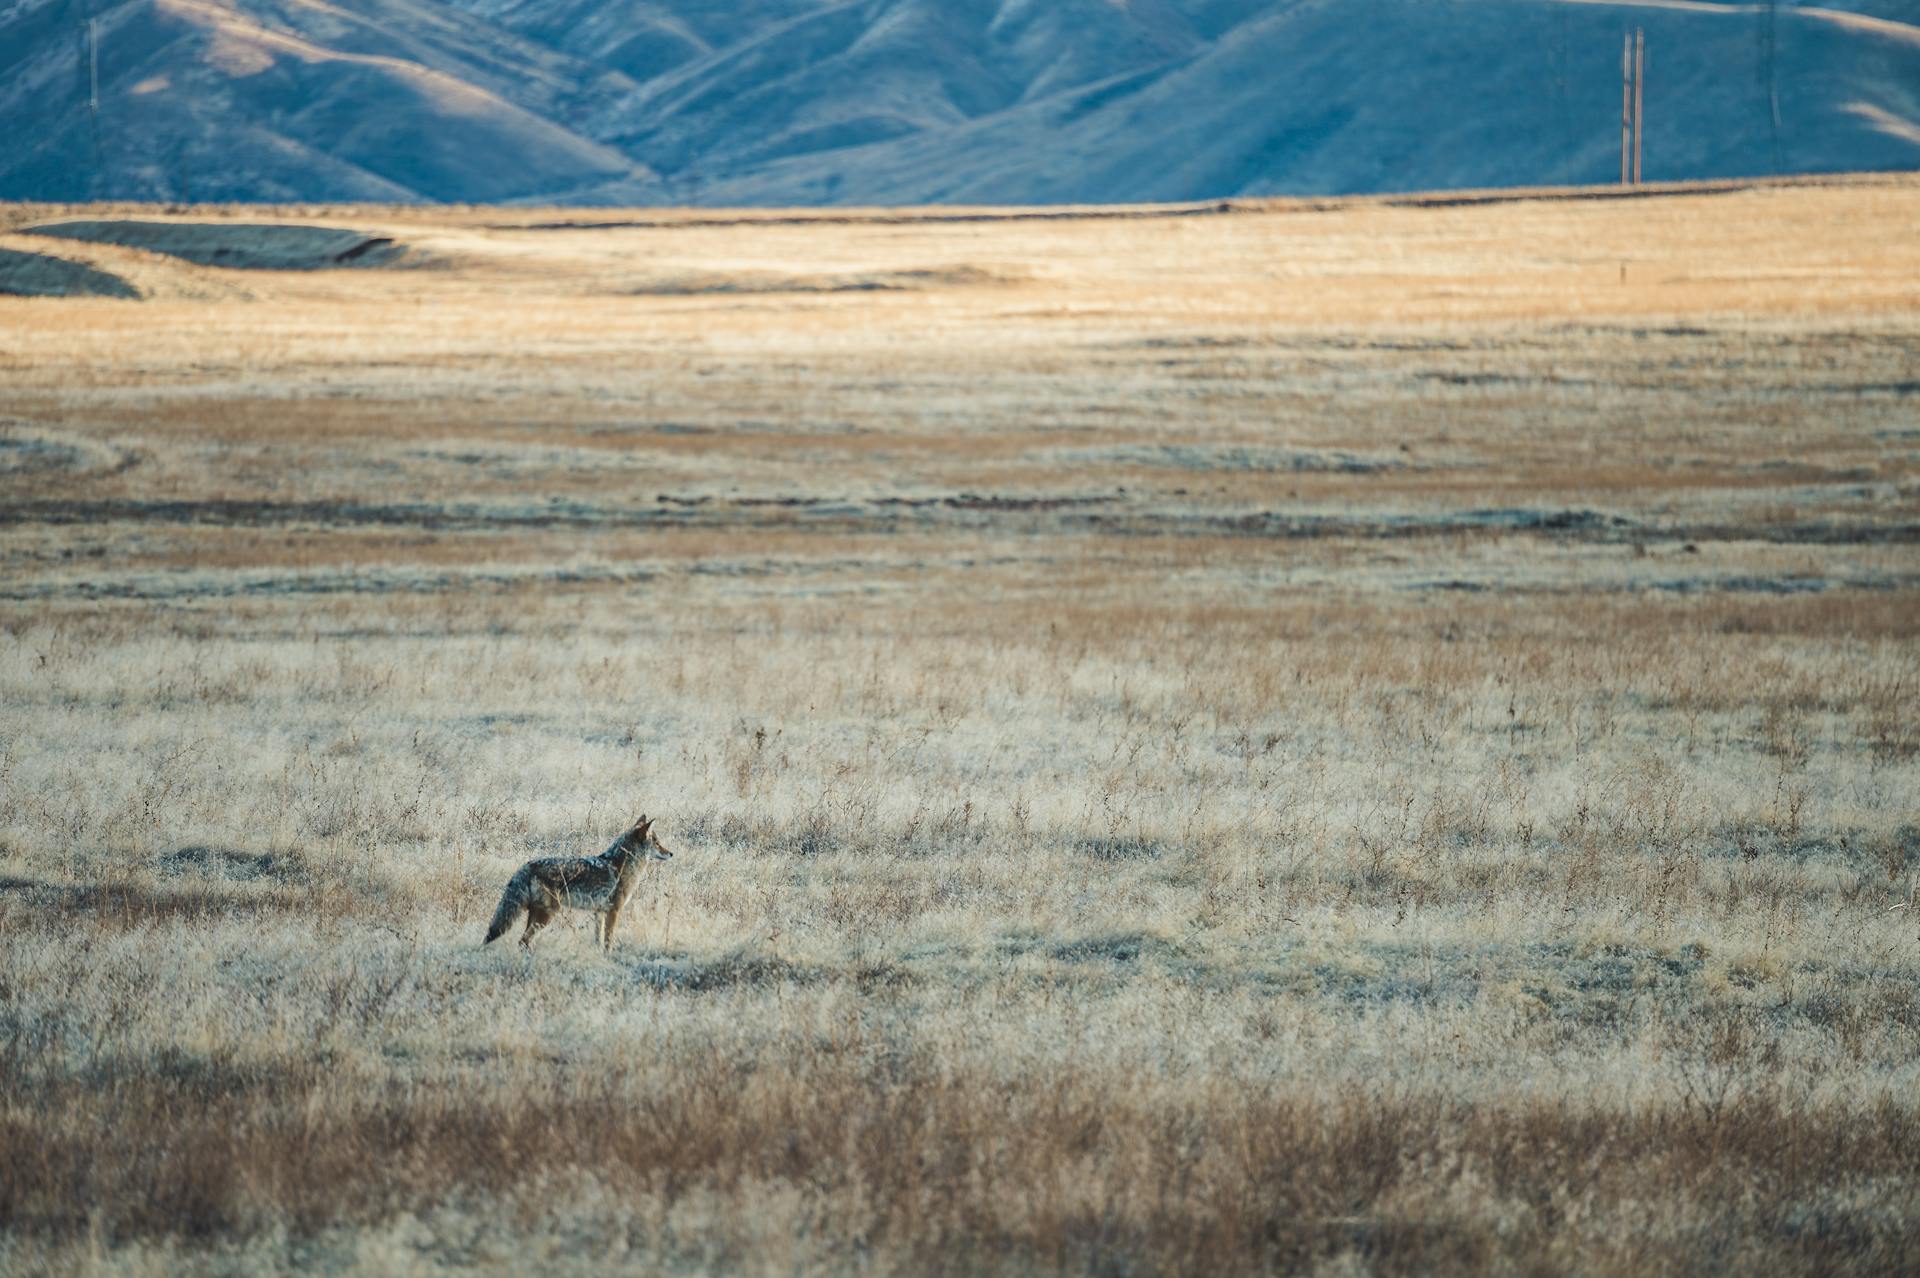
<point>1364,737</point>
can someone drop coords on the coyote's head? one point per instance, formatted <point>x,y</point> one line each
<point>643,843</point>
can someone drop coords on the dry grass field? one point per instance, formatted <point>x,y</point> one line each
<point>1368,737</point>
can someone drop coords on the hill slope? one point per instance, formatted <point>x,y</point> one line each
<point>912,101</point>
<point>392,100</point>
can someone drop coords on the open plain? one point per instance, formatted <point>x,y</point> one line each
<point>1374,736</point>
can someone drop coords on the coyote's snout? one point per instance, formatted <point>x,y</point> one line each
<point>599,883</point>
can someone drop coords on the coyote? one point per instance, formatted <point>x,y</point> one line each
<point>599,883</point>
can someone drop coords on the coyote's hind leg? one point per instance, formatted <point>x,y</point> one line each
<point>538,916</point>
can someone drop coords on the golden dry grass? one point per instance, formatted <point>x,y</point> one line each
<point>1344,739</point>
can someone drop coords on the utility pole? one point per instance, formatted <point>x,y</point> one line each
<point>1639,95</point>
<point>1626,110</point>
<point>1633,74</point>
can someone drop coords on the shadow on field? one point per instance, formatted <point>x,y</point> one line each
<point>209,883</point>
<point>133,905</point>
<point>745,969</point>
<point>729,971</point>
<point>231,864</point>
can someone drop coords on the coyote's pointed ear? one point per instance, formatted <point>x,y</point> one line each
<point>642,823</point>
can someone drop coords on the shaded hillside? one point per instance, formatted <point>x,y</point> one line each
<point>911,101</point>
<point>1316,99</point>
<point>393,100</point>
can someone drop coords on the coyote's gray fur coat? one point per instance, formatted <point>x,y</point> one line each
<point>601,884</point>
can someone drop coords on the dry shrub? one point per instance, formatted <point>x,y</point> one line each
<point>951,1171</point>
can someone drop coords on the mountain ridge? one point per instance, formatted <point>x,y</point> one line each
<point>839,102</point>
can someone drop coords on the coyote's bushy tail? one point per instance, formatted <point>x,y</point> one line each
<point>512,901</point>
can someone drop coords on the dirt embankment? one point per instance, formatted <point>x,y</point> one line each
<point>25,274</point>
<point>236,246</point>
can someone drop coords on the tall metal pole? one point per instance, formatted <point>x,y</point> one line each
<point>1626,108</point>
<point>1639,95</point>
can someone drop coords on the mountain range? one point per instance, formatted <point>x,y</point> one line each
<point>829,102</point>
